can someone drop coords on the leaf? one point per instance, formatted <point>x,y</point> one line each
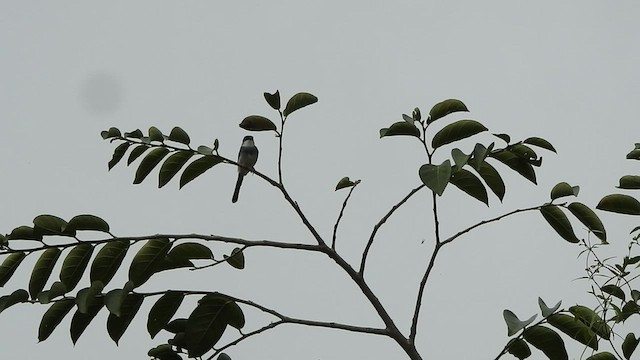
<point>547,341</point>
<point>445,108</point>
<point>162,311</point>
<point>634,154</point>
<point>236,259</point>
<point>114,299</point>
<point>164,352</point>
<point>53,317</point>
<point>9,266</point>
<point>602,356</point>
<point>416,114</point>
<point>177,326</point>
<point>614,290</point>
<point>470,184</point>
<point>179,135</point>
<point>108,261</point>
<point>344,183</point>
<point>504,137</point>
<point>435,177</point>
<point>205,325</point>
<point>540,142</point>
<point>42,270</point>
<point>513,323</point>
<point>198,168</point>
<point>81,321</point>
<point>619,203</point>
<point>478,155</point>
<point>149,162</point>
<point>111,133</point>
<point>74,265</point>
<point>24,233</point>
<point>516,163</point>
<point>135,134</point>
<point>629,345</point>
<point>172,165</point>
<point>87,222</point>
<point>205,150</point>
<point>16,297</point>
<point>455,131</point>
<point>518,348</point>
<point>400,128</point>
<point>273,99</point>
<point>589,218</point>
<point>546,311</point>
<point>118,153</point>
<point>559,222</point>
<point>233,315</point>
<point>116,326</point>
<point>87,298</point>
<point>257,123</point>
<point>460,159</point>
<point>575,329</point>
<point>224,356</point>
<point>136,152</point>
<point>298,101</point>
<point>524,151</point>
<point>155,134</point>
<point>630,182</point>
<point>51,225</point>
<point>57,289</point>
<point>408,119</point>
<point>190,251</point>
<point>492,178</point>
<point>592,320</point>
<point>564,189</point>
<point>147,261</point>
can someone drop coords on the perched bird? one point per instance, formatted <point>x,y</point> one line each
<point>247,157</point>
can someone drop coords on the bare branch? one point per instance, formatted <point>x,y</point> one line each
<point>344,205</point>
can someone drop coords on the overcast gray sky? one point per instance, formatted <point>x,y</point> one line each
<point>565,71</point>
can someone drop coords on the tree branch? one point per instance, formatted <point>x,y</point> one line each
<point>344,205</point>
<point>380,223</point>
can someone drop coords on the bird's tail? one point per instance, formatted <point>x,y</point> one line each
<point>236,192</point>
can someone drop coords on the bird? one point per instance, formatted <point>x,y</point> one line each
<point>247,157</point>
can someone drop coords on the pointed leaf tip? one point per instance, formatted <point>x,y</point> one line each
<point>273,99</point>
<point>559,222</point>
<point>436,177</point>
<point>298,101</point>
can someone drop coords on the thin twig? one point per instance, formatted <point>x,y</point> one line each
<point>344,205</point>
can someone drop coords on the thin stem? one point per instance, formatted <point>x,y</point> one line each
<point>280,137</point>
<point>344,205</point>
<point>245,337</point>
<point>380,223</point>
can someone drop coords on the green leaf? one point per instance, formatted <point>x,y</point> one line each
<point>634,154</point>
<point>205,150</point>
<point>179,135</point>
<point>233,315</point>
<point>18,296</point>
<point>540,142</point>
<point>205,325</point>
<point>57,289</point>
<point>53,317</point>
<point>136,152</point>
<point>87,298</point>
<point>592,320</point>
<point>492,178</point>
<point>149,162</point>
<point>546,311</point>
<point>80,321</point>
<point>602,356</point>
<point>470,184</point>
<point>9,266</point>
<point>162,311</point>
<point>164,352</point>
<point>172,165</point>
<point>435,177</point>
<point>518,348</point>
<point>118,153</point>
<point>455,131</point>
<point>155,134</point>
<point>197,168</point>
<point>147,261</point>
<point>524,151</point>
<point>559,222</point>
<point>114,299</point>
<point>629,345</point>
<point>589,218</point>
<point>575,328</point>
<point>408,119</point>
<point>111,133</point>
<point>445,108</point>
<point>87,222</point>
<point>108,261</point>
<point>224,356</point>
<point>116,326</point>
<point>190,251</point>
<point>400,128</point>
<point>257,123</point>
<point>236,259</point>
<point>460,159</point>
<point>564,189</point>
<point>135,134</point>
<point>51,225</point>
<point>42,270</point>
<point>516,163</point>
<point>416,115</point>
<point>344,183</point>
<point>630,182</point>
<point>614,290</point>
<point>547,341</point>
<point>177,326</point>
<point>504,137</point>
<point>273,99</point>
<point>513,323</point>
<point>298,101</point>
<point>619,203</point>
<point>74,265</point>
<point>24,233</point>
<point>478,155</point>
